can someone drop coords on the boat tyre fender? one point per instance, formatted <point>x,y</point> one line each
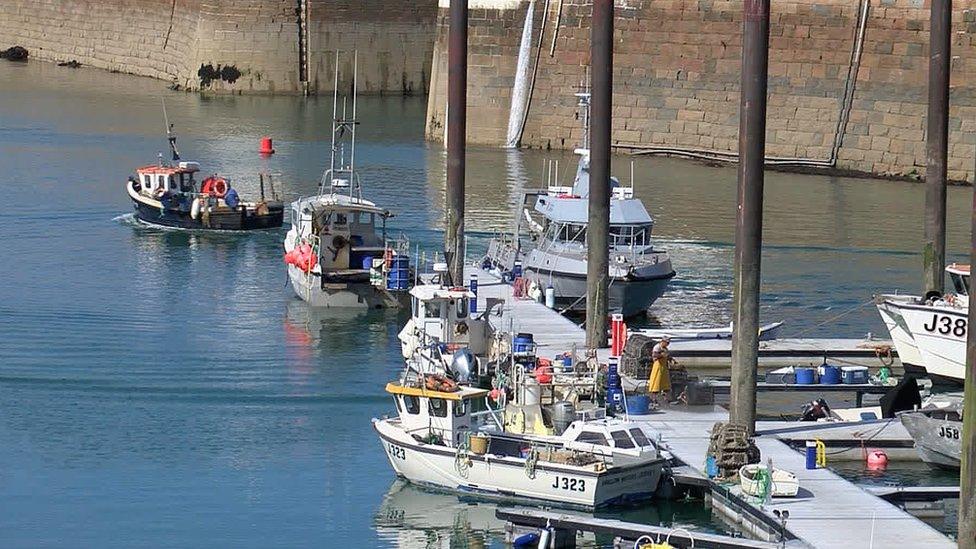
<point>195,208</point>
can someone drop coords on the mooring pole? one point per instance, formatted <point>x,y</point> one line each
<point>457,103</point>
<point>748,220</point>
<point>598,254</point>
<point>937,147</point>
<point>967,474</point>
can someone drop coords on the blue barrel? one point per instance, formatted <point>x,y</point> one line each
<point>473,286</point>
<point>830,375</point>
<point>805,376</point>
<point>638,405</point>
<point>367,262</point>
<point>517,270</point>
<point>523,343</point>
<point>399,276</point>
<point>567,361</point>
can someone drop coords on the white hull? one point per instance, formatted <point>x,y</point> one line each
<point>939,333</point>
<point>353,295</point>
<point>507,478</point>
<point>898,329</point>
<point>938,442</point>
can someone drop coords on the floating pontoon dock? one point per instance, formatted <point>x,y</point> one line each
<point>553,333</point>
<point>829,512</point>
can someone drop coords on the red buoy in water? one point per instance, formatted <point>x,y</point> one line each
<point>877,460</point>
<point>266,146</point>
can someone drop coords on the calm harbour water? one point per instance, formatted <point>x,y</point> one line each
<point>164,388</point>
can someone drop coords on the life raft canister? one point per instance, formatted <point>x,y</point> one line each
<point>215,186</point>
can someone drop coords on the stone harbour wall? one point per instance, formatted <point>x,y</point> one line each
<point>676,78</point>
<point>236,46</point>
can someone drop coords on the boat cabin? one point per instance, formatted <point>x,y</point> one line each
<point>566,218</point>
<point>348,230</point>
<point>155,180</point>
<point>620,436</point>
<point>443,315</point>
<point>437,416</point>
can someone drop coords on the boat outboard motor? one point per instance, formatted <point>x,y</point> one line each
<point>814,410</point>
<point>901,397</point>
<point>462,364</point>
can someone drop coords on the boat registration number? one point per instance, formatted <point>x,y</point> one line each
<point>946,325</point>
<point>397,451</point>
<point>571,484</point>
<point>949,432</point>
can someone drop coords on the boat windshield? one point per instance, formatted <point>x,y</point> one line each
<point>960,283</point>
<point>571,232</point>
<point>630,235</point>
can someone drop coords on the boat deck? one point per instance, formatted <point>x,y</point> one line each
<point>829,512</point>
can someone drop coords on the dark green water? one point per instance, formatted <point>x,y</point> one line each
<point>165,389</point>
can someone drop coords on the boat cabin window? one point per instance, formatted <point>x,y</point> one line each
<point>630,235</point>
<point>639,437</point>
<point>186,182</point>
<point>621,439</point>
<point>411,404</point>
<point>437,407</point>
<point>591,437</point>
<point>572,233</point>
<point>461,308</point>
<point>460,408</point>
<point>340,220</point>
<point>432,309</point>
<point>960,283</point>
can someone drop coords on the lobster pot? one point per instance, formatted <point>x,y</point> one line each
<point>399,276</point>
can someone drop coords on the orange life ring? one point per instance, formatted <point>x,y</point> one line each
<point>215,186</point>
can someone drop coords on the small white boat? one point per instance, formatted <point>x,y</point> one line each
<point>784,484</point>
<point>766,332</point>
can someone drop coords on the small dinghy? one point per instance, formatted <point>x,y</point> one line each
<point>753,479</point>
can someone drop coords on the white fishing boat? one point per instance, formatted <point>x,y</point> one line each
<point>930,333</point>
<point>445,436</point>
<point>549,246</point>
<point>337,253</point>
<point>755,480</point>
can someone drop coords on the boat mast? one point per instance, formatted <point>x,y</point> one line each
<point>342,175</point>
<point>352,153</point>
<point>170,136</point>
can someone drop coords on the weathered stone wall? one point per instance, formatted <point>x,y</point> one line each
<point>676,76</point>
<point>237,45</point>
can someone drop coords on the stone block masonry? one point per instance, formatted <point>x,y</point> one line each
<point>676,78</point>
<point>233,46</point>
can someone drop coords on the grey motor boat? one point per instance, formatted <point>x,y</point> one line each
<point>549,246</point>
<point>936,429</point>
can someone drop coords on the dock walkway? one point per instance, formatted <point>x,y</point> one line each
<point>829,512</point>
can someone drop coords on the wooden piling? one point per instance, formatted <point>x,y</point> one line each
<point>967,473</point>
<point>937,147</point>
<point>748,223</point>
<point>598,229</point>
<point>457,100</point>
